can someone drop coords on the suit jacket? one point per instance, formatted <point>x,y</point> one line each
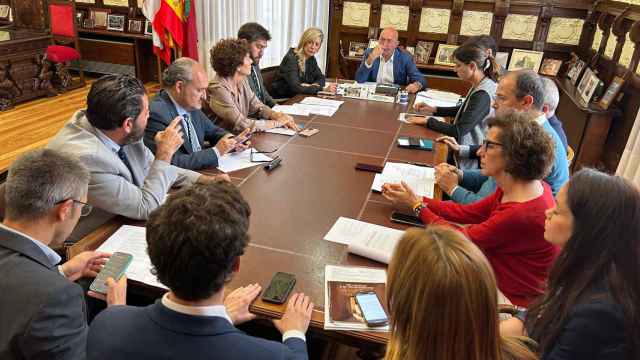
<point>42,314</point>
<point>404,69</point>
<point>258,87</point>
<point>156,332</point>
<point>112,190</point>
<point>161,112</point>
<point>556,124</point>
<point>289,78</point>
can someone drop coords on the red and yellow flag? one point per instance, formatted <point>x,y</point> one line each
<point>174,25</point>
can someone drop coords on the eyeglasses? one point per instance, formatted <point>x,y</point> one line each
<point>486,143</point>
<point>84,211</point>
<point>253,151</point>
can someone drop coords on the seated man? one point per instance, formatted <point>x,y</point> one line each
<point>551,100</point>
<point>195,261</point>
<point>386,64</point>
<point>257,38</point>
<point>43,311</point>
<point>126,178</point>
<point>185,85</point>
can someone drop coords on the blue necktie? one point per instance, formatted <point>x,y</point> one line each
<point>191,134</point>
<point>123,156</point>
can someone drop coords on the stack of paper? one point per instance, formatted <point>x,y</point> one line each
<point>369,240</point>
<point>318,106</point>
<point>403,117</point>
<point>421,179</point>
<point>239,160</point>
<point>437,98</point>
<point>342,283</point>
<point>290,109</point>
<point>131,239</point>
<point>281,131</point>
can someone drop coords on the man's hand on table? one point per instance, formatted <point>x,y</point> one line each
<point>238,301</point>
<point>297,316</point>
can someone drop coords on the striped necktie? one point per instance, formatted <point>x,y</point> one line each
<point>191,134</point>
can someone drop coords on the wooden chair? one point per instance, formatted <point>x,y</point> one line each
<point>64,46</point>
<point>268,75</point>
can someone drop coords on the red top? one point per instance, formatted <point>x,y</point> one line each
<point>511,235</point>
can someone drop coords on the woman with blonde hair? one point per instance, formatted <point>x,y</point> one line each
<point>299,72</point>
<point>442,301</point>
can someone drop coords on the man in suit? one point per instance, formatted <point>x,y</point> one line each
<point>185,84</point>
<point>386,64</point>
<point>194,260</point>
<point>257,37</point>
<point>42,311</point>
<point>126,178</point>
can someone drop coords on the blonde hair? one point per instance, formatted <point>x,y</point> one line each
<point>309,35</point>
<point>442,300</point>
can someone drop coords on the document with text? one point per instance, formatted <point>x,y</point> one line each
<point>369,240</point>
<point>421,179</point>
<point>290,109</point>
<point>241,160</point>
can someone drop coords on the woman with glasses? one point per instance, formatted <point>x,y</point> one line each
<point>509,224</point>
<point>591,307</point>
<point>230,96</point>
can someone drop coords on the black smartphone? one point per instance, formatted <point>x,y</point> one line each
<point>115,267</point>
<point>369,167</point>
<point>279,289</point>
<point>406,219</point>
<point>371,309</point>
<point>410,142</point>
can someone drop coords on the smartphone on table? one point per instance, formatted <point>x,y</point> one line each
<point>403,218</point>
<point>279,289</point>
<point>115,267</point>
<point>371,309</point>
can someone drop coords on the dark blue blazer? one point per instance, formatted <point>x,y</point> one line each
<point>162,112</point>
<point>556,124</point>
<point>156,332</point>
<point>404,69</point>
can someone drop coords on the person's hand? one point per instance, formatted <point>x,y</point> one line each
<point>450,142</point>
<point>226,144</point>
<point>242,142</point>
<point>116,292</point>
<point>207,179</point>
<point>297,315</point>
<point>413,88</point>
<point>417,120</point>
<point>374,54</point>
<point>238,301</point>
<point>331,87</point>
<point>400,194</point>
<point>444,167</point>
<point>286,120</point>
<point>85,264</point>
<point>447,180</point>
<point>169,140</point>
<point>425,107</point>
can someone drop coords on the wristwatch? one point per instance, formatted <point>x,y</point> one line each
<point>418,208</point>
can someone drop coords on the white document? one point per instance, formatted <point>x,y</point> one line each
<point>362,234</point>
<point>240,160</point>
<point>437,98</point>
<point>350,274</point>
<point>321,102</point>
<point>316,109</point>
<point>290,109</point>
<point>131,239</point>
<point>281,131</point>
<point>421,179</point>
<point>402,117</point>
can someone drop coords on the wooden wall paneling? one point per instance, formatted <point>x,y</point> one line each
<point>500,12</point>
<point>455,22</point>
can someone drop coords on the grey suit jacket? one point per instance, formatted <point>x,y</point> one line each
<point>42,314</point>
<point>112,190</point>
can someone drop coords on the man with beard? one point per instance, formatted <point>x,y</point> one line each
<point>257,37</point>
<point>126,178</point>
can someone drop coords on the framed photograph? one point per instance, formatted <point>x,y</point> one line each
<point>80,16</point>
<point>411,50</point>
<point>372,43</point>
<point>550,67</point>
<point>89,23</point>
<point>99,17</point>
<point>357,49</point>
<point>587,85</point>
<point>575,70</point>
<point>502,58</point>
<point>148,27</point>
<point>5,12</point>
<point>423,52</point>
<point>135,26</point>
<point>443,56</point>
<point>611,93</point>
<point>115,22</point>
<point>525,60</point>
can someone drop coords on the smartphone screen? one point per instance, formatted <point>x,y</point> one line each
<point>279,288</point>
<point>372,309</point>
<point>406,219</point>
<point>426,144</point>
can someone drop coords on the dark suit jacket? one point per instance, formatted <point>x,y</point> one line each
<point>556,124</point>
<point>404,69</point>
<point>162,112</point>
<point>289,78</point>
<point>42,314</point>
<point>156,332</point>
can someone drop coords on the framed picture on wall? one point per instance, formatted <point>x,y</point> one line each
<point>148,28</point>
<point>575,70</point>
<point>525,60</point>
<point>88,23</point>
<point>99,17</point>
<point>443,56</point>
<point>587,85</point>
<point>423,52</point>
<point>5,12</point>
<point>357,49</point>
<point>550,67</point>
<point>502,58</point>
<point>135,26</point>
<point>115,22</point>
<point>612,91</point>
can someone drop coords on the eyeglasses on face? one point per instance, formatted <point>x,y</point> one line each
<point>488,144</point>
<point>84,211</point>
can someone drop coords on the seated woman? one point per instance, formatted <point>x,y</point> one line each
<point>299,72</point>
<point>509,224</point>
<point>230,96</point>
<point>473,65</point>
<point>448,309</point>
<point>591,307</point>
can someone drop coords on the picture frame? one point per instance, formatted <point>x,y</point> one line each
<point>115,22</point>
<point>372,43</point>
<point>550,67</point>
<point>148,28</point>
<point>88,23</point>
<point>612,92</point>
<point>100,17</point>
<point>357,49</point>
<point>411,50</point>
<point>443,55</point>
<point>5,11</point>
<point>587,85</point>
<point>135,26</point>
<point>573,74</point>
<point>80,16</point>
<point>525,60</point>
<point>502,58</point>
<point>423,52</point>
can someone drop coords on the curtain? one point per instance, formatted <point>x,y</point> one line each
<point>629,166</point>
<point>286,20</point>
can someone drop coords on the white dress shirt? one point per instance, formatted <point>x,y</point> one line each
<point>385,70</point>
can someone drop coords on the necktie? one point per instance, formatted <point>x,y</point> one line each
<point>254,77</point>
<point>191,134</point>
<point>123,156</point>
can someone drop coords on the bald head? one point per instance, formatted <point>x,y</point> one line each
<point>388,41</point>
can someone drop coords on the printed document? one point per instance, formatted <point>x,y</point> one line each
<point>369,240</point>
<point>240,160</point>
<point>421,179</point>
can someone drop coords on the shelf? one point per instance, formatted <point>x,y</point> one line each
<point>115,33</point>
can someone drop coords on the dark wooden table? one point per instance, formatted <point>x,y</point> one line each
<point>293,207</point>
